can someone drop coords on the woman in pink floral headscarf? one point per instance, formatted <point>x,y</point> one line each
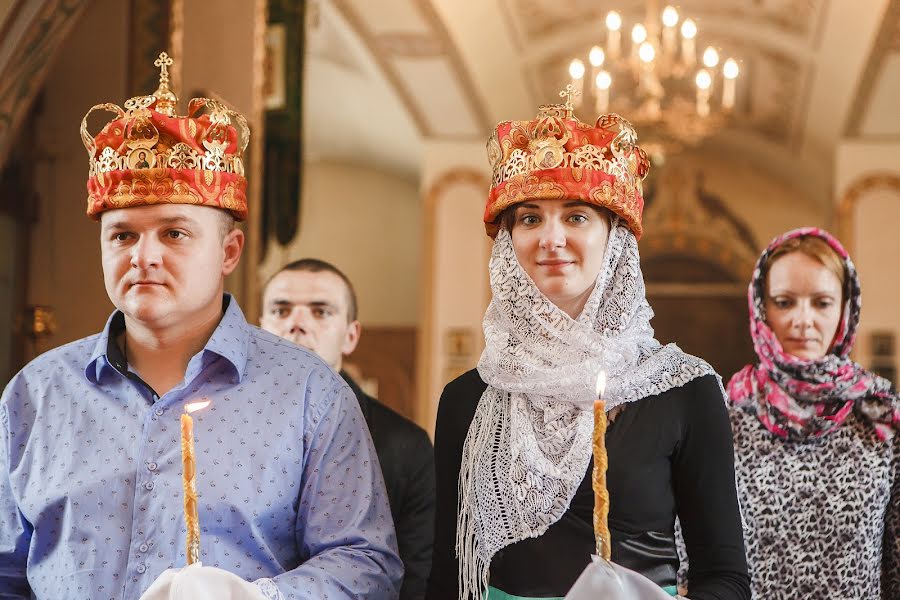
<point>816,455</point>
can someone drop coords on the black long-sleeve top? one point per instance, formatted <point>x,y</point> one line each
<point>669,454</point>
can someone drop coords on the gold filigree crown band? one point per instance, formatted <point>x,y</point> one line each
<point>197,158</point>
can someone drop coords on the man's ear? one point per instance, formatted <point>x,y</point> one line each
<point>351,338</point>
<point>233,244</point>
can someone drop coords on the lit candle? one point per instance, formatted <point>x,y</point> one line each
<point>704,81</point>
<point>613,37</point>
<point>188,476</point>
<point>576,72</point>
<point>638,37</point>
<point>670,20</point>
<point>710,57</point>
<point>688,33</point>
<point>647,54</point>
<point>603,81</point>
<point>598,480</point>
<point>730,70</point>
<point>596,57</point>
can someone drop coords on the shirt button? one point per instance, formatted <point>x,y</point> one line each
<point>141,568</point>
<point>159,412</point>
<point>152,466</point>
<point>149,485</point>
<point>143,547</point>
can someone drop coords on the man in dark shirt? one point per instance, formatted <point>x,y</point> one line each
<point>312,303</point>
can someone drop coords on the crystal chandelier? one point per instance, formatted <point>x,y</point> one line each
<point>656,80</point>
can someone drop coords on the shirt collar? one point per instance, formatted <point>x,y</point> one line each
<point>230,340</point>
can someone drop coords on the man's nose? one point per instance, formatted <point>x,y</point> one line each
<point>146,253</point>
<point>299,319</point>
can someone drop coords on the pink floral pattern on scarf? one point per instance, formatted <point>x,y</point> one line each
<point>797,398</point>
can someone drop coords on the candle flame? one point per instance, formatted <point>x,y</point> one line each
<point>195,406</point>
<point>601,384</point>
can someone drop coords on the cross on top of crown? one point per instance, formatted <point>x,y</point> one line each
<point>163,62</point>
<point>569,94</point>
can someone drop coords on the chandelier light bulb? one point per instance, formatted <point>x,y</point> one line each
<point>613,21</point>
<point>597,56</point>
<point>689,29</point>
<point>710,57</point>
<point>647,52</point>
<point>576,69</point>
<point>670,16</point>
<point>639,34</point>
<point>704,79</point>
<point>730,69</point>
<point>604,80</point>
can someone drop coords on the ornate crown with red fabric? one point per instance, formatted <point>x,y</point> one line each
<point>556,156</point>
<point>148,155</point>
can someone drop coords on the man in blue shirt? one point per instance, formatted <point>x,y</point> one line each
<point>291,500</point>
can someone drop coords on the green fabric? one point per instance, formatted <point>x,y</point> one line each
<point>493,593</point>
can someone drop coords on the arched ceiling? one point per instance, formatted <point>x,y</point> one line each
<point>813,71</point>
<point>383,76</point>
<point>30,34</point>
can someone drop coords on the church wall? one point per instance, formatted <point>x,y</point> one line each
<point>64,267</point>
<point>867,180</point>
<point>368,224</point>
<point>455,250</point>
<point>767,204</point>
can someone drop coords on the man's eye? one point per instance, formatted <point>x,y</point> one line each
<point>121,237</point>
<point>320,313</point>
<point>175,234</point>
<point>280,312</point>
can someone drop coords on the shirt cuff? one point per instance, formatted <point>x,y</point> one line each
<point>268,589</point>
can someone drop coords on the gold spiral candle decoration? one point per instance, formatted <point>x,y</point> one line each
<point>188,480</point>
<point>598,479</point>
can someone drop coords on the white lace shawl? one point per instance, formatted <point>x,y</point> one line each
<point>529,444</point>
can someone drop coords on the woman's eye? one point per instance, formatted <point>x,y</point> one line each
<point>781,302</point>
<point>529,220</point>
<point>578,218</point>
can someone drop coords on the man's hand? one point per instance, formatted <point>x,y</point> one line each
<point>197,582</point>
<point>602,579</point>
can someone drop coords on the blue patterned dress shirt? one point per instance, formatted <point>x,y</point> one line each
<point>290,491</point>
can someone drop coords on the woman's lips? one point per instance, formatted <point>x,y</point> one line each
<point>803,341</point>
<point>554,263</point>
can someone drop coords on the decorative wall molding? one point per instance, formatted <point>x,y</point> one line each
<point>863,185</point>
<point>460,176</point>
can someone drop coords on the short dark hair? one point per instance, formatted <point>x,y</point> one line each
<point>226,222</point>
<point>314,265</point>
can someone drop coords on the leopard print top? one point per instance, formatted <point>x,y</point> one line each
<point>821,516</point>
